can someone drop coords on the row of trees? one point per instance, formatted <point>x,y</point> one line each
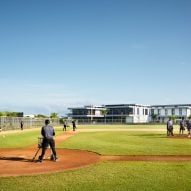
<point>52,115</point>
<point>10,114</point>
<point>17,114</point>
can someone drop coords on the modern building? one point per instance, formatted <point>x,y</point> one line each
<point>29,116</point>
<point>120,113</point>
<point>162,112</point>
<point>87,114</point>
<point>129,113</point>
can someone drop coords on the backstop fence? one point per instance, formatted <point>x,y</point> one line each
<point>13,123</point>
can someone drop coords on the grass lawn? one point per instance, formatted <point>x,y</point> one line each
<point>149,126</point>
<point>129,143</point>
<point>19,140</point>
<point>22,139</point>
<point>108,176</point>
<point>111,176</point>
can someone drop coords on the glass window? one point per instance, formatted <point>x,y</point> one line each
<point>180,111</point>
<point>137,111</point>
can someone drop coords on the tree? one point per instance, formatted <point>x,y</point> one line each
<point>173,117</point>
<point>104,112</point>
<point>11,114</point>
<point>154,117</point>
<point>41,116</point>
<point>54,115</point>
<point>2,114</point>
<point>63,118</point>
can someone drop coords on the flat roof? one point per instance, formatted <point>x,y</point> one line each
<point>88,107</point>
<point>129,105</point>
<point>126,105</point>
<point>172,105</point>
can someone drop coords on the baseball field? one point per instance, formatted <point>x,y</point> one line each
<point>97,157</point>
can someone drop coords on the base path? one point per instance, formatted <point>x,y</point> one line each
<point>147,158</point>
<point>16,162</point>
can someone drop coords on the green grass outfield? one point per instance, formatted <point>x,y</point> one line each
<point>124,126</point>
<point>22,139</point>
<point>106,176</point>
<point>129,143</point>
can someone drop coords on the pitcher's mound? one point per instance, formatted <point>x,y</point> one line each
<point>16,162</point>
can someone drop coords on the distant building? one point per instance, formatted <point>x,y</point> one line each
<point>120,113</point>
<point>87,114</point>
<point>29,116</point>
<point>163,112</point>
<point>129,113</point>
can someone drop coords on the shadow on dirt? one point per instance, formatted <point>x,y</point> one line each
<point>16,159</point>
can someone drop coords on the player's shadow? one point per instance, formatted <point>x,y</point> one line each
<point>21,159</point>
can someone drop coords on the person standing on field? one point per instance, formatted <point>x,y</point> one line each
<point>48,133</point>
<point>170,127</point>
<point>182,126</point>
<point>22,124</point>
<point>74,125</point>
<point>65,125</point>
<point>189,127</point>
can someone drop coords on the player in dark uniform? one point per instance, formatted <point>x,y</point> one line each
<point>48,133</point>
<point>74,125</point>
<point>170,127</point>
<point>182,126</point>
<point>64,126</point>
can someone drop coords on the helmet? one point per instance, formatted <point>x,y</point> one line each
<point>47,121</point>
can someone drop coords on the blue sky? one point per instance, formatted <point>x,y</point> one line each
<point>56,54</point>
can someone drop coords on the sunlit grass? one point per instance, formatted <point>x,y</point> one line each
<point>22,139</point>
<point>112,176</point>
<point>129,143</point>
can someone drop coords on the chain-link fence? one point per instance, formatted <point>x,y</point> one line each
<point>12,123</point>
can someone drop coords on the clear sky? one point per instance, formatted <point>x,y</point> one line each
<point>56,54</point>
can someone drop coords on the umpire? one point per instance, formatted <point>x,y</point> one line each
<point>48,133</point>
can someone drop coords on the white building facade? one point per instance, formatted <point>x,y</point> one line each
<point>119,113</point>
<point>129,113</point>
<point>163,112</point>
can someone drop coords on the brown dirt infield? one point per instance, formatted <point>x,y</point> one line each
<point>17,162</point>
<point>185,136</point>
<point>14,162</point>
